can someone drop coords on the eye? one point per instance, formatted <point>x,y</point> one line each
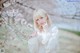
<point>37,19</point>
<point>41,17</point>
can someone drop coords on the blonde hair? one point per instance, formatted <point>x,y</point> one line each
<point>42,13</point>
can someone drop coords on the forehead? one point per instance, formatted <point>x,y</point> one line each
<point>38,17</point>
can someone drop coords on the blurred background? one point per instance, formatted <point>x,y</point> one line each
<point>16,23</point>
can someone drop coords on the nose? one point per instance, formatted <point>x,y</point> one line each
<point>41,20</point>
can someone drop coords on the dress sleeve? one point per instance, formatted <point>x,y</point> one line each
<point>54,32</point>
<point>54,35</point>
<point>53,41</point>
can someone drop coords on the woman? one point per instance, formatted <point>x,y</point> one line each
<point>45,38</point>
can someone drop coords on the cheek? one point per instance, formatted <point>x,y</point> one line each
<point>41,21</point>
<point>37,22</point>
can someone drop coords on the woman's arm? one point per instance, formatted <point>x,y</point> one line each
<point>53,41</point>
<point>54,31</point>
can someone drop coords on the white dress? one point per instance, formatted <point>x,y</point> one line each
<point>44,42</point>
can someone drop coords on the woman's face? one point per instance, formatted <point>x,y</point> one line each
<point>40,20</point>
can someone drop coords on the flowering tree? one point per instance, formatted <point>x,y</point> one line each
<point>18,29</point>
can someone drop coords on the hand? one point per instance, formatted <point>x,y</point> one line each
<point>32,35</point>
